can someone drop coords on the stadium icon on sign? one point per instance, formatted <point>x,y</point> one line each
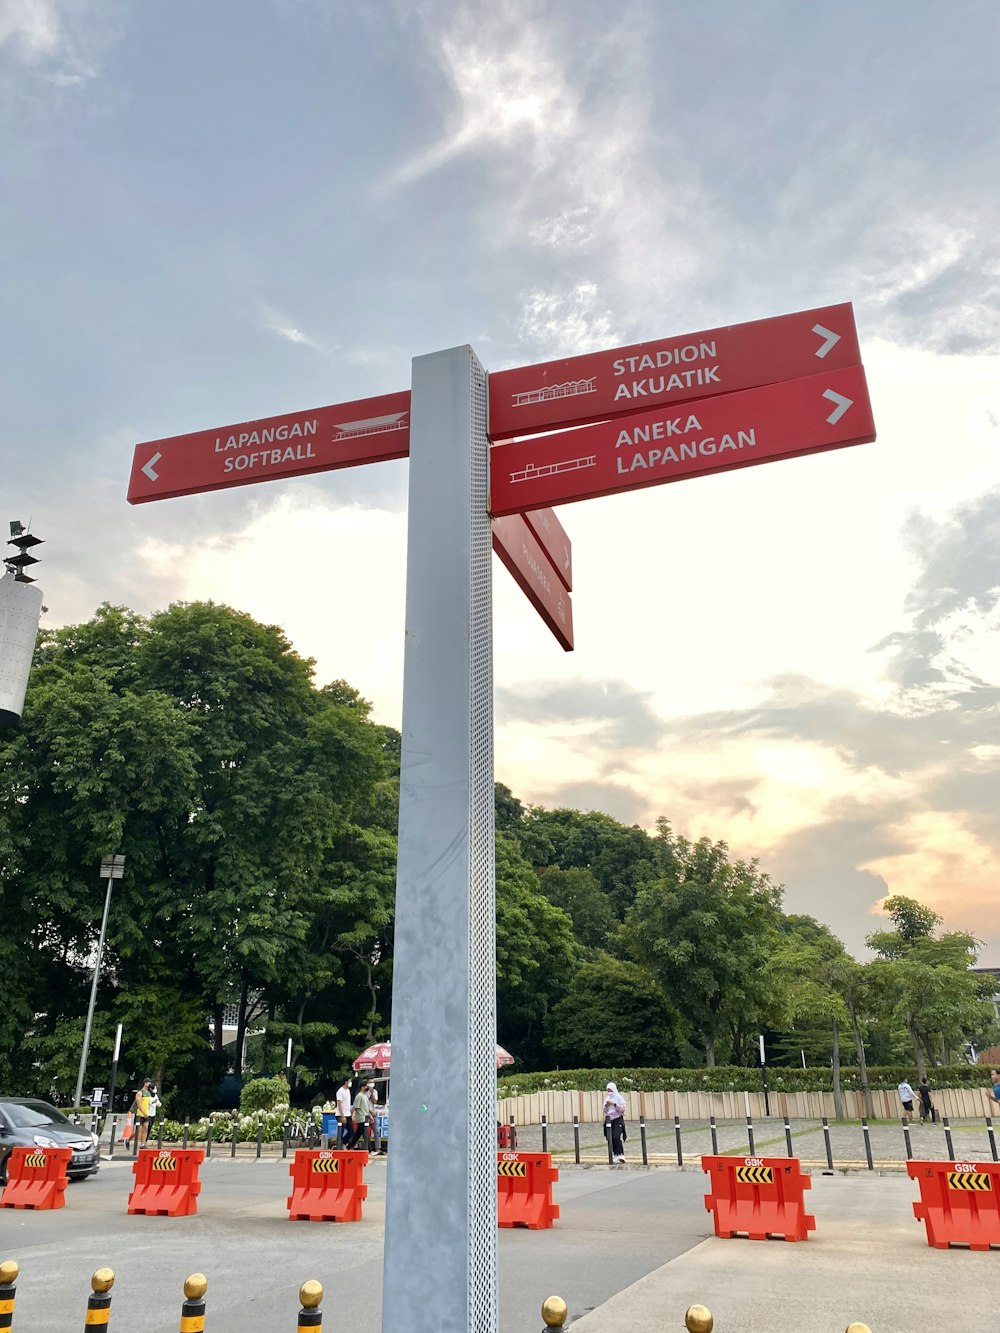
<point>568,390</point>
<point>531,473</point>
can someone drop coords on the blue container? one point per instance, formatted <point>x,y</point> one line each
<point>331,1125</point>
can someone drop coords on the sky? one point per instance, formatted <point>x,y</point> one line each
<point>215,212</point>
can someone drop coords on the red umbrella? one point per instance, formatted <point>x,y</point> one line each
<point>379,1057</point>
<point>374,1057</point>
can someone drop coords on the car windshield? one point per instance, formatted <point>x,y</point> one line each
<point>27,1115</point>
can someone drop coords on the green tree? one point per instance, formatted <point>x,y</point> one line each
<point>926,978</point>
<point>579,895</point>
<point>706,931</point>
<point>613,1013</point>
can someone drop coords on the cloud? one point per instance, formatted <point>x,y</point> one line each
<point>31,28</point>
<point>59,39</point>
<point>284,328</point>
<point>567,323</point>
<point>612,714</point>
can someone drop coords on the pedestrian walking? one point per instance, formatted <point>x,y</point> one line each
<point>614,1121</point>
<point>906,1096</point>
<point>927,1110</point>
<point>344,1108</point>
<point>141,1103</point>
<point>361,1114</point>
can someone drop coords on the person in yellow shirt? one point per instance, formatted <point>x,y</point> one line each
<point>141,1106</point>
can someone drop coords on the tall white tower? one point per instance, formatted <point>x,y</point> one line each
<point>20,608</point>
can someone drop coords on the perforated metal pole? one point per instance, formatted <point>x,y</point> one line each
<point>440,1271</point>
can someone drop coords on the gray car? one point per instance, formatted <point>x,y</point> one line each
<point>26,1123</point>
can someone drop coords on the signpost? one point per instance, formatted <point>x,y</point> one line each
<point>536,576</point>
<point>713,435</point>
<point>726,398</point>
<point>552,538</point>
<point>671,370</point>
<point>367,430</point>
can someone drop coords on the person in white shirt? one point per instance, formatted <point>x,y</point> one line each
<point>344,1109</point>
<point>906,1095</point>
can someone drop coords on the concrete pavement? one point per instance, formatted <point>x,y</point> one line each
<point>632,1249</point>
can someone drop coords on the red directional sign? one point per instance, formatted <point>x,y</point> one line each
<point>553,539</point>
<point>517,547</point>
<point>734,430</point>
<point>671,370</point>
<point>364,431</point>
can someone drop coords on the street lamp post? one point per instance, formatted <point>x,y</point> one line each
<point>112,868</point>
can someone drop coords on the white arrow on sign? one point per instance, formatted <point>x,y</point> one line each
<point>828,334</point>
<point>566,562</point>
<point>842,405</point>
<point>148,469</point>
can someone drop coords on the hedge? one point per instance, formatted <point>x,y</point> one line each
<point>734,1078</point>
<point>272,1126</point>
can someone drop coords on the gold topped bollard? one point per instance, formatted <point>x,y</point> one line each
<point>555,1312</point>
<point>698,1319</point>
<point>193,1309</point>
<point>310,1316</point>
<point>8,1290</point>
<point>99,1302</point>
<point>858,1328</point>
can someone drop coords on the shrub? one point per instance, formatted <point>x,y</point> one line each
<point>733,1078</point>
<point>263,1094</point>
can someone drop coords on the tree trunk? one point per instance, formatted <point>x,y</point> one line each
<point>217,1028</point>
<point>838,1096</point>
<point>710,1052</point>
<point>866,1094</point>
<point>918,1054</point>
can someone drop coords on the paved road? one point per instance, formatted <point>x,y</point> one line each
<point>616,1226</point>
<point>632,1249</point>
<point>969,1139</point>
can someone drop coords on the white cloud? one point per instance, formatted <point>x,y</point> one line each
<point>58,39</point>
<point>31,27</point>
<point>567,324</point>
<point>284,328</point>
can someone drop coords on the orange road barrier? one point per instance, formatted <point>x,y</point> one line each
<point>166,1182</point>
<point>758,1197</point>
<point>327,1186</point>
<point>524,1185</point>
<point>36,1178</point>
<point>959,1202</point>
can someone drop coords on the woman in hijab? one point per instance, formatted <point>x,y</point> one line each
<point>614,1121</point>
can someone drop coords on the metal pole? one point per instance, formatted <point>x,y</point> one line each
<point>750,1135</point>
<point>677,1140</point>
<point>868,1143</point>
<point>607,1139</point>
<point>114,1067</point>
<point>763,1076</point>
<point>545,1134</point>
<point>93,996</point>
<point>642,1140</point>
<point>576,1138</point>
<point>947,1137</point>
<point>715,1136</point>
<point>993,1137</point>
<point>441,1207</point>
<point>826,1140</point>
<point>906,1137</point>
<point>788,1138</point>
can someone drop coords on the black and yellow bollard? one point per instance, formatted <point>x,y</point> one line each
<point>193,1309</point>
<point>99,1304</point>
<point>555,1312</point>
<point>698,1319</point>
<point>310,1316</point>
<point>8,1290</point>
